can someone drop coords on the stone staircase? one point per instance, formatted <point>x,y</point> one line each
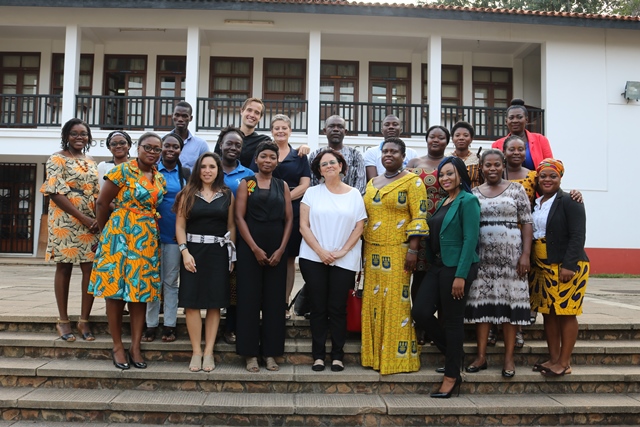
<point>44,379</point>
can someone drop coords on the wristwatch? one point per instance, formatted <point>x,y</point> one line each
<point>182,246</point>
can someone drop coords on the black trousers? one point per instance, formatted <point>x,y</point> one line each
<point>260,289</point>
<point>327,288</point>
<point>435,295</point>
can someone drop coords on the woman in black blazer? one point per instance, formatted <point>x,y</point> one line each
<point>560,267</point>
<point>452,252</point>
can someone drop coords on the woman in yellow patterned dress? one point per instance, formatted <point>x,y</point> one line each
<point>127,264</point>
<point>560,267</point>
<point>72,187</point>
<point>396,204</point>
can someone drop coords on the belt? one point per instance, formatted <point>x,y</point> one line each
<point>209,240</point>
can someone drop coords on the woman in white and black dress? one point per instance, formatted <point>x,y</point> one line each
<point>205,231</point>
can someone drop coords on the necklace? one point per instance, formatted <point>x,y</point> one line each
<point>81,162</point>
<point>393,175</point>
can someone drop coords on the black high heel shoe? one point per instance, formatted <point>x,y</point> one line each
<point>119,365</point>
<point>446,395</point>
<point>139,365</point>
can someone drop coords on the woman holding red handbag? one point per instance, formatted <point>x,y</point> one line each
<point>332,218</point>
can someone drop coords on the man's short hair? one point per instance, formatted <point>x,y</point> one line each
<point>249,101</point>
<point>185,104</point>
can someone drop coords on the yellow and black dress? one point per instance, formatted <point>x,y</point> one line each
<point>559,235</point>
<point>395,213</point>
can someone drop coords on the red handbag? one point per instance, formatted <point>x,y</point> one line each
<point>354,307</point>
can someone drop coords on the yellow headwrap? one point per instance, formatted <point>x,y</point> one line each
<point>551,164</point>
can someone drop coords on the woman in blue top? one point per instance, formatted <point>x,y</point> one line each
<point>176,177</point>
<point>452,253</point>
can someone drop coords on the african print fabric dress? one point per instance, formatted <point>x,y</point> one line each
<point>395,212</point>
<point>70,241</point>
<point>499,295</point>
<point>434,195</point>
<point>529,184</point>
<point>127,264</point>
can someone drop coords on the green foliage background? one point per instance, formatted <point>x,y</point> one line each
<point>621,7</point>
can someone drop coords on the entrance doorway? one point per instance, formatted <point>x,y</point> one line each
<point>17,207</point>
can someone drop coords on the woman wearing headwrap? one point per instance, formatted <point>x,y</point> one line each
<point>560,267</point>
<point>451,250</point>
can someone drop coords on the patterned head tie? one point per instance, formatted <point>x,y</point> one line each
<point>550,163</point>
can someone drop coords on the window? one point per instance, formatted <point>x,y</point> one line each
<point>231,78</point>
<point>124,84</point>
<point>85,78</point>
<point>19,74</point>
<point>451,85</point>
<point>492,87</point>
<point>284,79</point>
<point>389,84</point>
<point>339,90</point>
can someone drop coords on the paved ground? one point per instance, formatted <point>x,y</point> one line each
<point>26,288</point>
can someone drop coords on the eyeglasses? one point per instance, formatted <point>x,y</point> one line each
<point>150,149</point>
<point>330,162</point>
<point>76,134</point>
<point>118,143</point>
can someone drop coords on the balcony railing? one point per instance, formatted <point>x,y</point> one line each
<point>365,118</point>
<point>29,111</point>
<point>127,112</point>
<point>149,112</point>
<point>217,113</point>
<point>489,123</point>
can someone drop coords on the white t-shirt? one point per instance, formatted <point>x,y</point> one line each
<point>103,168</point>
<point>373,157</point>
<point>332,218</point>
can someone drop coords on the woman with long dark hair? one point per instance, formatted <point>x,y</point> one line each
<point>206,234</point>
<point>454,259</point>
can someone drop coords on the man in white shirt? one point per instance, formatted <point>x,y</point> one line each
<point>391,127</point>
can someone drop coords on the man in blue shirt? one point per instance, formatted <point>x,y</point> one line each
<point>193,146</point>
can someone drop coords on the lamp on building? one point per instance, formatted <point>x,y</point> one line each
<point>632,91</point>
<point>248,22</point>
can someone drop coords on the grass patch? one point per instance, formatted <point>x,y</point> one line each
<point>615,276</point>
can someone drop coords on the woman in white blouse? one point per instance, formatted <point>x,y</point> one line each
<point>332,218</point>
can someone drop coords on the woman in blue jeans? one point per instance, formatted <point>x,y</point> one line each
<point>452,251</point>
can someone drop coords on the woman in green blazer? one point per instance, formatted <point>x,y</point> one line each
<point>452,252</point>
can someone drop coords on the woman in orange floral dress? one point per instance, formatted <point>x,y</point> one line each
<point>72,187</point>
<point>127,264</point>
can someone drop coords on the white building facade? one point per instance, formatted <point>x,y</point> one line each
<point>124,67</point>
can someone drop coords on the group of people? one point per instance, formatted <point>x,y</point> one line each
<point>486,239</point>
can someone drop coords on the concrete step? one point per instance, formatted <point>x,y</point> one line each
<point>298,327</point>
<point>233,378</point>
<point>216,408</point>
<point>298,350</point>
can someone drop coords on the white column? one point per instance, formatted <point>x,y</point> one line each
<point>518,78</point>
<point>467,81</point>
<point>416,79</point>
<point>435,79</point>
<point>313,89</point>
<point>193,71</point>
<point>71,70</point>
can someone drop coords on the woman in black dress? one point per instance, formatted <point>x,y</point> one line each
<point>264,218</point>
<point>205,231</point>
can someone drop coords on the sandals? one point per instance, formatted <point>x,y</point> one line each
<point>519,339</point>
<point>208,364</point>
<point>168,334</point>
<point>271,364</point>
<point>68,337</point>
<point>149,335</point>
<point>87,336</point>
<point>252,364</point>
<point>337,366</point>
<point>196,363</point>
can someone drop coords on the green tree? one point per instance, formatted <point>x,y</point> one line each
<point>623,7</point>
